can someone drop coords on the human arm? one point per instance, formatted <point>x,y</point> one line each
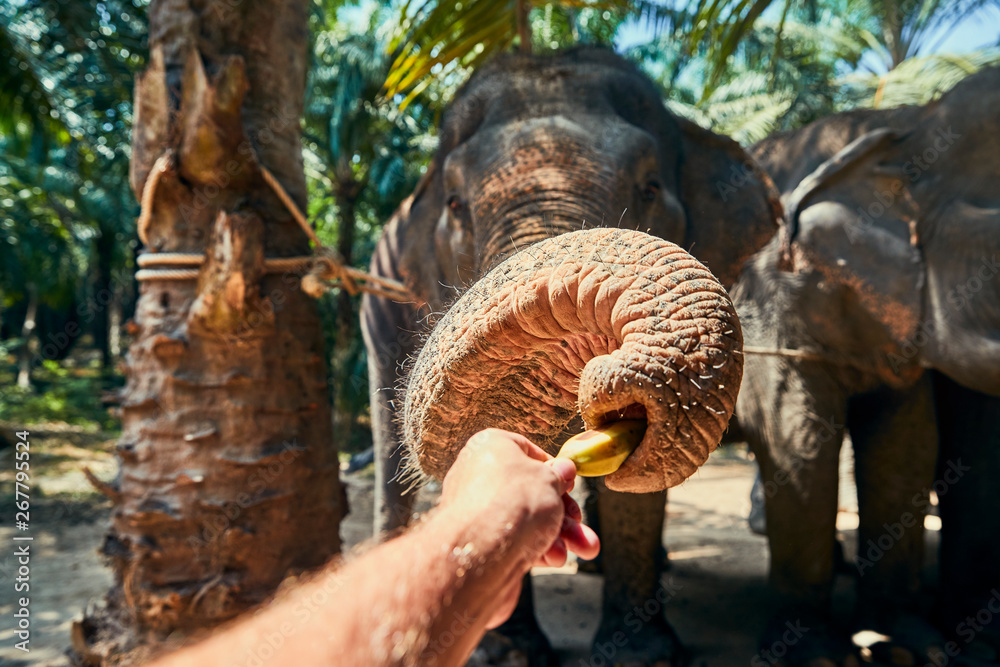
<point>428,596</point>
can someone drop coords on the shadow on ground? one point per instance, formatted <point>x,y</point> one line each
<point>717,569</point>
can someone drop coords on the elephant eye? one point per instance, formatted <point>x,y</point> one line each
<point>456,204</point>
<point>651,191</point>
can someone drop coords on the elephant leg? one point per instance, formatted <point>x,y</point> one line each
<point>794,418</point>
<point>757,519</point>
<point>966,485</point>
<point>519,641</point>
<point>393,499</point>
<point>895,442</point>
<point>633,627</point>
<point>800,477</point>
<point>592,518</point>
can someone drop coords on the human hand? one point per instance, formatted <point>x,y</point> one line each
<point>517,499</point>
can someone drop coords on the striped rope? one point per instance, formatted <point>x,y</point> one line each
<point>186,266</point>
<point>324,270</point>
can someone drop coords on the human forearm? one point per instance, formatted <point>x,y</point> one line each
<point>423,598</point>
<point>430,593</point>
<point>426,597</point>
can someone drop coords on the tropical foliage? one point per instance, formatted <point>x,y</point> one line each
<point>441,38</point>
<point>380,75</point>
<point>66,210</point>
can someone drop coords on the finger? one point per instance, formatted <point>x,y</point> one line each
<point>565,470</point>
<point>580,539</point>
<point>491,436</point>
<point>531,449</point>
<point>571,509</point>
<point>556,555</point>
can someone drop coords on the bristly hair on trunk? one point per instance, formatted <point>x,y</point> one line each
<point>228,473</point>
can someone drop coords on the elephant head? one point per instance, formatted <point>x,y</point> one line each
<point>537,147</point>
<point>894,213</point>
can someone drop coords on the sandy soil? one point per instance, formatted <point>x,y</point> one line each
<point>718,567</point>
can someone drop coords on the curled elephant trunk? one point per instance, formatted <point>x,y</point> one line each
<point>604,323</point>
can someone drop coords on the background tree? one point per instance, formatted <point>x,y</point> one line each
<point>742,67</point>
<point>880,48</point>
<point>363,157</point>
<point>228,476</point>
<point>64,154</point>
<point>442,39</point>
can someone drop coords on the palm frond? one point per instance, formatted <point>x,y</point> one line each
<point>916,80</point>
<point>438,37</point>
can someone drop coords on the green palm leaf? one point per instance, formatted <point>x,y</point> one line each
<point>440,37</point>
<point>916,80</point>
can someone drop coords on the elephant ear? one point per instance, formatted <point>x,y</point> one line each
<point>853,220</point>
<point>732,206</point>
<point>410,239</point>
<point>951,161</point>
<point>405,252</point>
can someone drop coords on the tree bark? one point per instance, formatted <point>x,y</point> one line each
<point>26,355</point>
<point>229,478</point>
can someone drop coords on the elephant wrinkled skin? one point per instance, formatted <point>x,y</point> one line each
<point>531,148</point>
<point>896,225</point>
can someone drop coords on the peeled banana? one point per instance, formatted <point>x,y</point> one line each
<point>603,450</point>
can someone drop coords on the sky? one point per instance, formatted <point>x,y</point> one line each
<point>975,32</point>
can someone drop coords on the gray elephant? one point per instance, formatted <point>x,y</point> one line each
<point>884,321</point>
<point>531,148</point>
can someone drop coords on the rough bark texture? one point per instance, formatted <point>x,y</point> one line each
<point>229,478</point>
<point>603,323</point>
<point>26,355</point>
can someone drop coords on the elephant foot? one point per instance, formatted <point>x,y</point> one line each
<point>804,640</point>
<point>635,640</point>
<point>517,644</point>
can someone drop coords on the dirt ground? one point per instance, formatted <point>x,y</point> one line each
<point>718,567</point>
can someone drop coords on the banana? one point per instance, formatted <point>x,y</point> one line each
<point>603,450</point>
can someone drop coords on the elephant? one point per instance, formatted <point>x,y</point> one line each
<point>883,322</point>
<point>533,147</point>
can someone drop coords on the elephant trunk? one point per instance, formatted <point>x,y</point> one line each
<point>544,188</point>
<point>604,323</point>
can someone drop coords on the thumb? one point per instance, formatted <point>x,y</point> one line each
<point>565,471</point>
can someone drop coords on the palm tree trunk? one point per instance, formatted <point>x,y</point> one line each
<point>103,296</point>
<point>348,190</point>
<point>523,9</point>
<point>26,356</point>
<point>892,33</point>
<point>229,478</point>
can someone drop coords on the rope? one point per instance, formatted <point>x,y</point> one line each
<point>324,269</point>
<point>801,355</point>
<point>146,201</point>
<point>186,266</point>
<point>289,204</point>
